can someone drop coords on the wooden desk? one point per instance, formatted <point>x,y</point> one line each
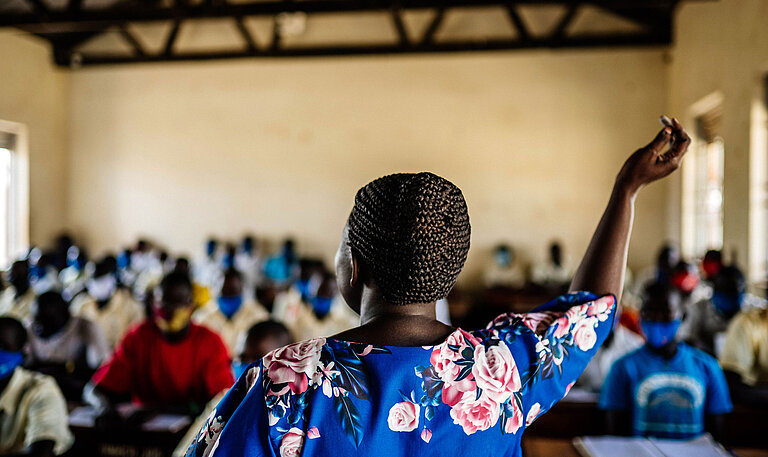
<point>553,447</point>
<point>744,427</point>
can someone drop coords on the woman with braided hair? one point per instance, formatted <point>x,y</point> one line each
<point>402,383</point>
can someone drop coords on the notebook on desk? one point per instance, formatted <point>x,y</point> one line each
<point>610,446</point>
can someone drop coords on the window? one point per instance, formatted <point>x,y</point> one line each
<point>13,192</point>
<point>758,188</point>
<point>703,181</point>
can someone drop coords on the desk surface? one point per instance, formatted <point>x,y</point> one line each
<point>552,447</point>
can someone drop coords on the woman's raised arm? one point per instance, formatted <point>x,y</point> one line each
<point>602,269</point>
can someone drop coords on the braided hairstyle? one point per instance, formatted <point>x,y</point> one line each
<point>412,231</point>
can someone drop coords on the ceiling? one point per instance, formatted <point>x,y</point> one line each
<point>98,32</point>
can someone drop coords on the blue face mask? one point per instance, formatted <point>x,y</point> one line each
<point>321,305</point>
<point>123,261</point>
<point>238,368</point>
<point>229,305</point>
<point>727,304</point>
<point>302,285</point>
<point>35,272</point>
<point>503,258</point>
<point>658,334</point>
<point>8,362</point>
<point>210,248</point>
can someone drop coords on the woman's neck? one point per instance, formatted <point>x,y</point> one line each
<point>398,325</point>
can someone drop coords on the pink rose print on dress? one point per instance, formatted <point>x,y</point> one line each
<point>584,334</point>
<point>475,414</point>
<point>495,372</point>
<point>292,367</point>
<point>292,442</point>
<point>533,413</point>
<point>313,433</point>
<point>445,355</point>
<point>513,423</point>
<point>404,417</point>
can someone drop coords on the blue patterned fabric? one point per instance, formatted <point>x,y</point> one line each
<point>474,394</point>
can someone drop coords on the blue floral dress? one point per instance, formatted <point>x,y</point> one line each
<point>473,394</point>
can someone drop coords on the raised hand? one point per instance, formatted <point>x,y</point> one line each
<point>651,163</point>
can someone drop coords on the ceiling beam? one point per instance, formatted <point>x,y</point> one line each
<point>429,34</point>
<point>87,19</point>
<point>582,41</point>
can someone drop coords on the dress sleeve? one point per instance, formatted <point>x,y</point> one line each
<point>239,424</point>
<point>553,344</point>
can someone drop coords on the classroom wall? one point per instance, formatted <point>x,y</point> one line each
<point>33,92</point>
<point>177,152</point>
<point>722,47</point>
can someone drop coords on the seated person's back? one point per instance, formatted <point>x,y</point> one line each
<point>67,347</point>
<point>664,389</point>
<point>745,357</point>
<point>32,409</point>
<point>167,361</point>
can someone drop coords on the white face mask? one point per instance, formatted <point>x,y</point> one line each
<point>102,288</point>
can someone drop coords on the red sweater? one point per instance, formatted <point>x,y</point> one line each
<point>157,372</point>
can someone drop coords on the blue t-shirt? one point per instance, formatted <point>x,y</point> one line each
<point>667,398</point>
<point>472,394</point>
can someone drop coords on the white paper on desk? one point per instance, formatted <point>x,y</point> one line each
<point>600,446</point>
<point>611,446</point>
<point>703,446</point>
<point>83,416</point>
<point>166,423</point>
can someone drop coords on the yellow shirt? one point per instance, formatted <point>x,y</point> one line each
<point>230,330</point>
<point>18,308</point>
<point>120,314</point>
<point>746,346</point>
<point>33,410</point>
<point>301,321</point>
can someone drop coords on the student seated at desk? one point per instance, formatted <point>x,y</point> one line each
<point>18,300</point>
<point>745,357</point>
<point>665,389</point>
<point>166,362</point>
<point>67,347</point>
<point>552,275</point>
<point>32,410</point>
<point>112,308</point>
<point>706,321</point>
<point>505,271</point>
<point>231,315</point>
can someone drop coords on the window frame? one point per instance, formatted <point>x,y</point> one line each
<point>18,239</point>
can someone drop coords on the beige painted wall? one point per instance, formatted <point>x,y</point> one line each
<point>34,93</point>
<point>723,47</point>
<point>176,152</point>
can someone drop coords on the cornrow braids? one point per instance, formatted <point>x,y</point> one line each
<point>412,231</point>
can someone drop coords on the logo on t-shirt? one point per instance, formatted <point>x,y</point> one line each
<point>669,403</point>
